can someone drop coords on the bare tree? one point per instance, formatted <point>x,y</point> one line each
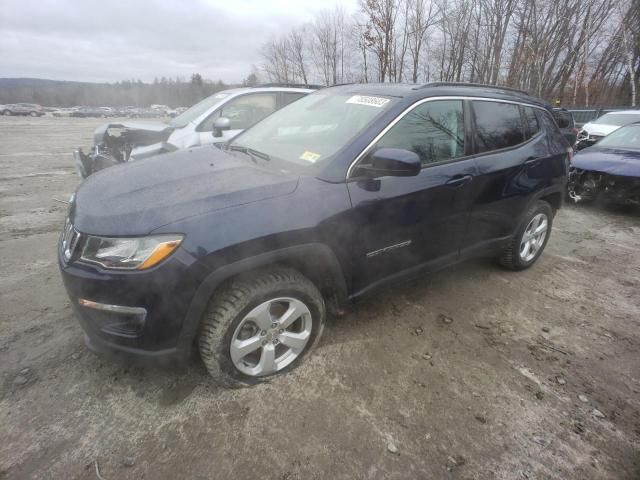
<point>421,16</point>
<point>297,53</point>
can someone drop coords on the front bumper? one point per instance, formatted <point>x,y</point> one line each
<point>164,293</point>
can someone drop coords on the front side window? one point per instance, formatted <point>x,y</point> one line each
<point>243,111</point>
<point>433,130</point>
<point>289,97</point>
<point>498,125</point>
<point>248,110</point>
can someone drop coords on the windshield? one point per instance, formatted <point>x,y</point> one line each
<point>618,119</point>
<point>625,137</point>
<point>198,109</point>
<point>313,128</point>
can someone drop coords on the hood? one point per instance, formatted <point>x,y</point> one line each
<point>600,130</point>
<point>143,133</point>
<point>138,197</point>
<point>614,161</point>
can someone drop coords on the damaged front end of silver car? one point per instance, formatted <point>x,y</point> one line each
<point>116,143</point>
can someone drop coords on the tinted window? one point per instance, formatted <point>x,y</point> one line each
<point>530,122</point>
<point>433,130</point>
<point>498,125</point>
<point>563,119</point>
<point>288,97</point>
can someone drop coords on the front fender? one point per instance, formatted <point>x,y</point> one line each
<point>299,255</point>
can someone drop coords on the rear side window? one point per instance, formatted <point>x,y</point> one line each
<point>498,125</point>
<point>531,126</point>
<point>433,130</point>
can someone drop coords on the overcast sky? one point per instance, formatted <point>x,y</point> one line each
<point>110,40</point>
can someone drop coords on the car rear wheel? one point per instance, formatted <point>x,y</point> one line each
<point>33,114</point>
<point>6,112</point>
<point>530,239</point>
<point>259,325</point>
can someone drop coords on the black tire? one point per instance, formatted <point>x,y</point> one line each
<point>511,258</point>
<point>6,112</point>
<point>234,301</point>
<point>33,114</point>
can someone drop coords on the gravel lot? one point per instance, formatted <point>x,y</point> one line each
<point>472,373</point>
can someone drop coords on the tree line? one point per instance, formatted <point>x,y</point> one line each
<point>578,52</point>
<point>166,91</point>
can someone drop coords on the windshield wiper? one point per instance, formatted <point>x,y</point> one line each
<point>253,153</point>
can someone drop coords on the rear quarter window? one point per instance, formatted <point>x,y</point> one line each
<point>532,127</point>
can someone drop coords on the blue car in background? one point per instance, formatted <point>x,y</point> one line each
<point>610,168</point>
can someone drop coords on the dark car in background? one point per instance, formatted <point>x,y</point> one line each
<point>610,168</point>
<point>24,109</point>
<point>245,246</point>
<point>566,124</point>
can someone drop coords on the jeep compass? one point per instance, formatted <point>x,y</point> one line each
<point>242,249</point>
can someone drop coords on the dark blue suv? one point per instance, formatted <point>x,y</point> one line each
<point>244,248</point>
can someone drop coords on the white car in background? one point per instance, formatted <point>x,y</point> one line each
<point>215,119</point>
<point>602,126</point>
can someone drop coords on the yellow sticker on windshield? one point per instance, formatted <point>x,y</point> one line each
<point>310,156</point>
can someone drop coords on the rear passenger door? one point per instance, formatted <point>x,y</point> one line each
<point>510,148</point>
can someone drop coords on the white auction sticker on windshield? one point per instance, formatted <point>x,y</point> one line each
<point>369,101</point>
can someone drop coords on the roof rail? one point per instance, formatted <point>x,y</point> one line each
<point>469,84</point>
<point>289,85</point>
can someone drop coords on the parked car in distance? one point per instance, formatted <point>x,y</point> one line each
<point>566,124</point>
<point>215,119</point>
<point>245,247</point>
<point>608,169</point>
<point>597,129</point>
<point>30,109</point>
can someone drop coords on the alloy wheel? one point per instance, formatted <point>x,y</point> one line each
<point>533,237</point>
<point>271,336</point>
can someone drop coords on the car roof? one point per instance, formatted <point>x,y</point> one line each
<point>419,91</point>
<point>236,91</point>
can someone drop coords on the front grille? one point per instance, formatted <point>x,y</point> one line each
<point>70,238</point>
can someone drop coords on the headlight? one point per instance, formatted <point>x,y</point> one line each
<point>129,253</point>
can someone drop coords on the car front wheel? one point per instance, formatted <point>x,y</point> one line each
<point>530,238</point>
<point>261,324</point>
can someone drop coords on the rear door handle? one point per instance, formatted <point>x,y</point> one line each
<point>531,160</point>
<point>459,180</point>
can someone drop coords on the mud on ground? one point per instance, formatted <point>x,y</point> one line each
<point>472,373</point>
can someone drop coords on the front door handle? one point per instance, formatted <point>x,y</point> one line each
<point>459,180</point>
<point>531,160</point>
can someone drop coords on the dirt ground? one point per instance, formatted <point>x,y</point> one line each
<point>472,373</point>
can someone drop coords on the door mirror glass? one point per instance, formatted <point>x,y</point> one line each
<point>393,162</point>
<point>221,124</point>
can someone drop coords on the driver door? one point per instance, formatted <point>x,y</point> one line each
<point>406,224</point>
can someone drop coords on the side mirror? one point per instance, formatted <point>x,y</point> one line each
<point>221,124</point>
<point>393,162</point>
